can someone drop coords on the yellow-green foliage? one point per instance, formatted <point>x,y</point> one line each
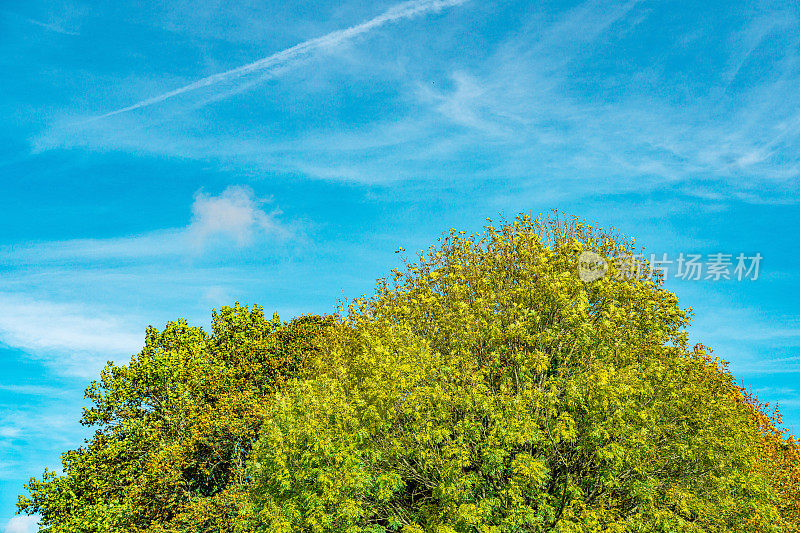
<point>486,388</point>
<point>175,427</point>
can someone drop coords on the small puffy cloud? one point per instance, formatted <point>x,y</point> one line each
<point>216,296</point>
<point>78,337</point>
<point>22,524</point>
<point>236,214</point>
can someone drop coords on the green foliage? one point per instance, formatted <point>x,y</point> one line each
<point>175,427</point>
<point>486,388</point>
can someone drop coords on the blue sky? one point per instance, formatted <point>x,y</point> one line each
<point>159,159</point>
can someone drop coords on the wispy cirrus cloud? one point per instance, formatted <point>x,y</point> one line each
<point>523,111</point>
<point>405,10</point>
<point>531,100</point>
<point>77,337</point>
<point>22,524</point>
<point>740,335</point>
<point>53,27</point>
<point>234,218</point>
<point>60,24</point>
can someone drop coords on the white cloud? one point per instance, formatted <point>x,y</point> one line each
<point>78,339</point>
<point>216,296</point>
<point>22,524</point>
<point>63,19</point>
<point>268,65</point>
<point>234,215</point>
<point>519,111</point>
<point>39,313</point>
<point>153,244</point>
<point>9,432</point>
<point>53,27</point>
<point>34,390</point>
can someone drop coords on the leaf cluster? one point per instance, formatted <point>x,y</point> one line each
<point>483,388</point>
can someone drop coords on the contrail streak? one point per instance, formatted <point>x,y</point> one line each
<point>399,12</point>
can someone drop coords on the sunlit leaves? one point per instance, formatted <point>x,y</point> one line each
<point>499,392</point>
<point>175,427</point>
<point>482,388</point>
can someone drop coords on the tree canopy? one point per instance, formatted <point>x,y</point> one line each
<point>174,427</point>
<point>482,388</point>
